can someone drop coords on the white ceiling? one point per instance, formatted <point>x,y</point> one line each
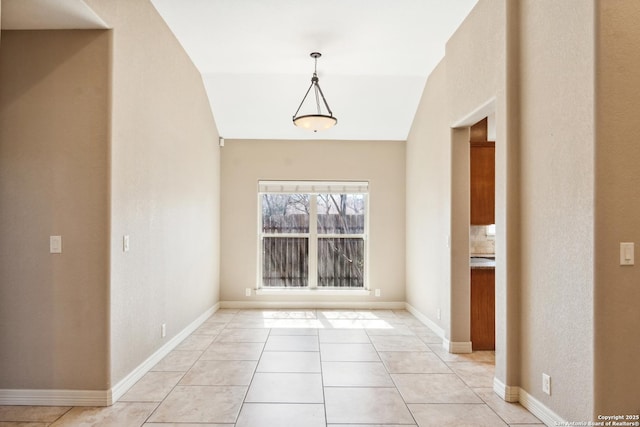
<point>254,60</point>
<point>255,64</point>
<point>49,15</point>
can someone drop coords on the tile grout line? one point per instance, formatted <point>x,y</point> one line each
<point>488,406</point>
<point>59,417</point>
<point>255,370</point>
<point>324,395</point>
<point>183,373</point>
<point>392,381</point>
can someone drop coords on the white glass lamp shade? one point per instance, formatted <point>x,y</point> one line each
<point>315,122</point>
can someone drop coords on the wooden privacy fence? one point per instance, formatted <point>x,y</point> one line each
<point>327,224</point>
<point>285,262</point>
<point>340,260</point>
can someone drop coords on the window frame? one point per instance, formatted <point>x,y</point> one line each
<point>313,189</point>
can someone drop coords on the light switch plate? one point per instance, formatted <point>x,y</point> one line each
<point>55,244</point>
<point>125,243</point>
<point>627,256</point>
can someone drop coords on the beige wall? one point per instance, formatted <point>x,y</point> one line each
<point>468,85</point>
<point>617,189</point>
<point>557,196</point>
<point>428,182</point>
<point>104,133</point>
<point>532,63</point>
<point>54,150</point>
<point>164,186</point>
<point>244,162</point>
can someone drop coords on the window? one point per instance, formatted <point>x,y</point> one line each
<point>313,234</point>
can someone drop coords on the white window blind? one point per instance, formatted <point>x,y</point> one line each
<point>316,187</point>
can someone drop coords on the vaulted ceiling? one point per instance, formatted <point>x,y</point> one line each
<point>254,57</point>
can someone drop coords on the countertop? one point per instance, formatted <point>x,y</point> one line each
<point>482,262</point>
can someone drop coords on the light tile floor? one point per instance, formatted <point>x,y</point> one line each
<point>302,368</point>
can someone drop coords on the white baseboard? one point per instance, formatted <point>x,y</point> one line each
<point>516,394</point>
<point>538,409</point>
<point>451,347</point>
<point>118,390</point>
<point>99,397</point>
<point>457,347</point>
<point>55,397</point>
<point>508,393</point>
<point>424,319</point>
<point>354,305</point>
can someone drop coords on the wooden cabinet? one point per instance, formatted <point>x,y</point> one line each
<point>482,174</point>
<point>483,307</point>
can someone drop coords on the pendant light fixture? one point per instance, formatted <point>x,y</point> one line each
<point>317,121</point>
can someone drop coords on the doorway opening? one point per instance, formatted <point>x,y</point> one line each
<point>482,235</point>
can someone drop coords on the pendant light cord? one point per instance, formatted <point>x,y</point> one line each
<point>315,75</point>
<point>316,85</point>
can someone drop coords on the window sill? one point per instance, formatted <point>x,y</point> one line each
<point>312,292</point>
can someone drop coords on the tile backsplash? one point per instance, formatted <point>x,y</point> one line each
<point>480,240</point>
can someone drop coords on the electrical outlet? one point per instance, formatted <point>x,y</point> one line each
<point>125,243</point>
<point>439,314</point>
<point>546,384</point>
<point>163,330</point>
<point>247,292</point>
<point>377,292</point>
